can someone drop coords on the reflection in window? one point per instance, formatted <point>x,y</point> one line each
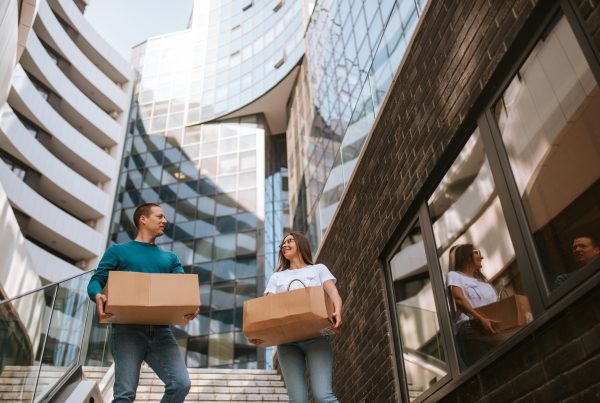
<point>466,214</point>
<point>422,346</point>
<point>549,121</point>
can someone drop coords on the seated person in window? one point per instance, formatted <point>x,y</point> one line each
<point>470,290</point>
<point>585,250</point>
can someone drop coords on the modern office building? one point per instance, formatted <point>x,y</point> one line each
<point>488,136</point>
<point>206,140</point>
<point>64,101</point>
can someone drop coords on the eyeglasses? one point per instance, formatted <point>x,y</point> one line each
<point>287,241</point>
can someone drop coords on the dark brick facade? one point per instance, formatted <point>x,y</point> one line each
<point>461,54</point>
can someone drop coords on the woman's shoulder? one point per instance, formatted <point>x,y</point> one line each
<point>319,267</point>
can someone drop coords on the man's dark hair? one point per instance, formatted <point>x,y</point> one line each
<point>595,243</point>
<point>142,210</point>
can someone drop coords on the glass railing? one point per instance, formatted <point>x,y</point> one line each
<point>45,335</point>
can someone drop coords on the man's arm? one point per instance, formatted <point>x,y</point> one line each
<point>109,261</point>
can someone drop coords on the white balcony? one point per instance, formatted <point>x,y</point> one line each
<point>68,144</point>
<point>48,224</point>
<point>92,44</point>
<point>59,183</point>
<point>82,72</point>
<point>74,105</point>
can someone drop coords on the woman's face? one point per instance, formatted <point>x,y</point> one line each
<point>289,247</point>
<point>477,258</point>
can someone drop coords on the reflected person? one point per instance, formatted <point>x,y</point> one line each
<point>585,250</point>
<point>470,289</point>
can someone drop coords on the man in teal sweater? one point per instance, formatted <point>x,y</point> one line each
<point>132,344</point>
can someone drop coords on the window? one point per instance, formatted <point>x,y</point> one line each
<point>511,228</point>
<point>548,119</point>
<point>423,352</point>
<point>474,249</point>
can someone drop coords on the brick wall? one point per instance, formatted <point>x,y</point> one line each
<point>460,55</point>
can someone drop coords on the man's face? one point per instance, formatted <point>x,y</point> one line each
<point>155,222</point>
<point>584,251</point>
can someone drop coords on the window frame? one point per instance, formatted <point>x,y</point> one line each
<point>545,303</point>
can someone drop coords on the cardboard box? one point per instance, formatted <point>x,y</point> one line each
<point>151,299</point>
<point>288,316</point>
<point>512,313</point>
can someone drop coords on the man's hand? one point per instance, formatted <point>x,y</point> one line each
<point>192,316</point>
<point>100,301</point>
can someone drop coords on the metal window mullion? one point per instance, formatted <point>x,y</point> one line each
<point>397,339</point>
<point>584,39</point>
<point>439,291</point>
<point>528,261</point>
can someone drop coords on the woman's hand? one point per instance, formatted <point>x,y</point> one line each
<point>337,319</point>
<point>256,342</point>
<point>334,295</point>
<point>489,325</point>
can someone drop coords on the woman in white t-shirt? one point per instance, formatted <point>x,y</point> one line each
<point>470,290</point>
<point>295,263</point>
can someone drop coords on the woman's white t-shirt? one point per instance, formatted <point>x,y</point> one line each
<point>310,276</point>
<point>478,293</point>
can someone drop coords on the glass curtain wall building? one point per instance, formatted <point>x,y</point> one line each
<point>352,53</point>
<point>203,142</point>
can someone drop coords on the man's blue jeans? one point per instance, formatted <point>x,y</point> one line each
<point>132,344</point>
<point>317,354</point>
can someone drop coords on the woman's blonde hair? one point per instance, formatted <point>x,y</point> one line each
<point>303,245</point>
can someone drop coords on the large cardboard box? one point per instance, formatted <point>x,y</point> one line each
<point>288,316</point>
<point>151,299</point>
<point>512,313</point>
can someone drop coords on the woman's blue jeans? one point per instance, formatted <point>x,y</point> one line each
<point>317,354</point>
<point>132,344</point>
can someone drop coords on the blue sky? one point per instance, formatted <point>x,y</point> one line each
<point>125,23</point>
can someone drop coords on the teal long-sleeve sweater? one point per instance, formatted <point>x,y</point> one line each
<point>132,256</point>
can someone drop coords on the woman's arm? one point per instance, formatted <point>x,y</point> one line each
<point>463,303</point>
<point>333,293</point>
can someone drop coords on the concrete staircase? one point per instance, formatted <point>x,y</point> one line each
<point>17,384</point>
<point>212,385</point>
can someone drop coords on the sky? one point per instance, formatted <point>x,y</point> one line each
<point>126,23</point>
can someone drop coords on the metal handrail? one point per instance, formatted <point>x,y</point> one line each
<point>4,301</point>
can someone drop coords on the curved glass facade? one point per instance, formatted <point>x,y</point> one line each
<point>223,196</point>
<point>353,52</point>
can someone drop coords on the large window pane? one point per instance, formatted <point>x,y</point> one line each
<point>468,225</point>
<point>422,346</point>
<point>550,125</point>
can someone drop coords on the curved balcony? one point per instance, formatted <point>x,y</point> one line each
<point>67,143</point>
<point>49,266</point>
<point>8,44</point>
<point>59,183</point>
<point>48,224</point>
<point>82,72</point>
<point>91,43</point>
<point>74,106</point>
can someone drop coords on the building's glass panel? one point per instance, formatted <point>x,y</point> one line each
<point>423,352</point>
<point>550,126</point>
<point>475,251</point>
